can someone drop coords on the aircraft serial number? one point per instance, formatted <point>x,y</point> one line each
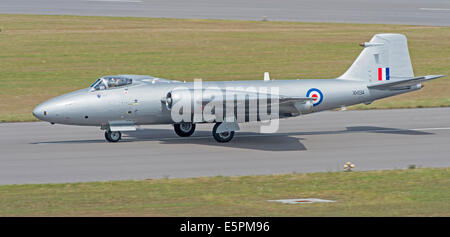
<point>358,92</point>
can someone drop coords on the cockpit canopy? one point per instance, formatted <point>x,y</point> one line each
<point>120,81</point>
<point>110,82</point>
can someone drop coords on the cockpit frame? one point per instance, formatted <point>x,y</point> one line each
<point>110,82</point>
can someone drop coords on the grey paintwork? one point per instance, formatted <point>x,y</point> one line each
<point>102,107</point>
<point>142,102</point>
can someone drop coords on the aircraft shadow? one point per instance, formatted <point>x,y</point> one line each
<point>387,130</point>
<point>264,142</point>
<point>244,140</point>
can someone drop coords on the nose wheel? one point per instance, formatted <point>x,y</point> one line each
<point>113,136</point>
<point>223,136</point>
<point>184,129</point>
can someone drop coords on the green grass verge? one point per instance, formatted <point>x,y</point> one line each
<point>415,192</point>
<point>45,56</point>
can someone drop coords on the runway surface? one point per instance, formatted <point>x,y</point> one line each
<point>413,12</point>
<point>372,140</point>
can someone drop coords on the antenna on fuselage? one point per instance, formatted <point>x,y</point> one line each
<point>266,76</point>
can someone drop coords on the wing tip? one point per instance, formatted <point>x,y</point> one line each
<point>431,77</point>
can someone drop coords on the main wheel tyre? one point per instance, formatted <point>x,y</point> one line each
<point>184,129</point>
<point>113,136</point>
<point>222,137</point>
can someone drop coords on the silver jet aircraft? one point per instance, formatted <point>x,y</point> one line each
<point>123,102</point>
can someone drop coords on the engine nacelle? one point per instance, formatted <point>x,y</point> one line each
<point>304,107</point>
<point>177,96</point>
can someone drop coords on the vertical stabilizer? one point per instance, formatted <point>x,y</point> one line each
<point>384,58</point>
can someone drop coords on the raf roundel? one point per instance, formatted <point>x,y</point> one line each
<point>316,94</point>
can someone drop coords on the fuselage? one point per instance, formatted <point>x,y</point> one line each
<point>140,103</point>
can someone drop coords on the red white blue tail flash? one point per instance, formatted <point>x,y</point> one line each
<point>383,74</point>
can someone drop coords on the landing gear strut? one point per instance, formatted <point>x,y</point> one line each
<point>184,129</point>
<point>113,136</point>
<point>223,136</point>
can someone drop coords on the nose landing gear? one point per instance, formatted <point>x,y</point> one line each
<point>113,136</point>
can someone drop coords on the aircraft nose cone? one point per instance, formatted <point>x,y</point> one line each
<point>40,112</point>
<point>58,109</point>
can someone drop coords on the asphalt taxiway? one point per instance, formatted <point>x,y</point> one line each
<point>38,152</point>
<point>411,12</point>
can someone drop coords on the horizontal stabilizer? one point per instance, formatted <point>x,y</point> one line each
<point>403,84</point>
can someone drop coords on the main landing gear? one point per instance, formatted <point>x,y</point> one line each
<point>184,129</point>
<point>222,137</point>
<point>113,136</point>
<point>224,134</point>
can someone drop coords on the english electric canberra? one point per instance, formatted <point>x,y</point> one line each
<point>123,102</point>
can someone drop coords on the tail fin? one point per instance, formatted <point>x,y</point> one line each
<point>385,57</point>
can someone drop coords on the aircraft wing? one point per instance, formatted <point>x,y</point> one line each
<point>286,100</point>
<point>402,84</point>
<point>242,97</point>
<point>288,105</point>
<point>294,106</point>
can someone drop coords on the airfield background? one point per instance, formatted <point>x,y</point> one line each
<point>51,47</point>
